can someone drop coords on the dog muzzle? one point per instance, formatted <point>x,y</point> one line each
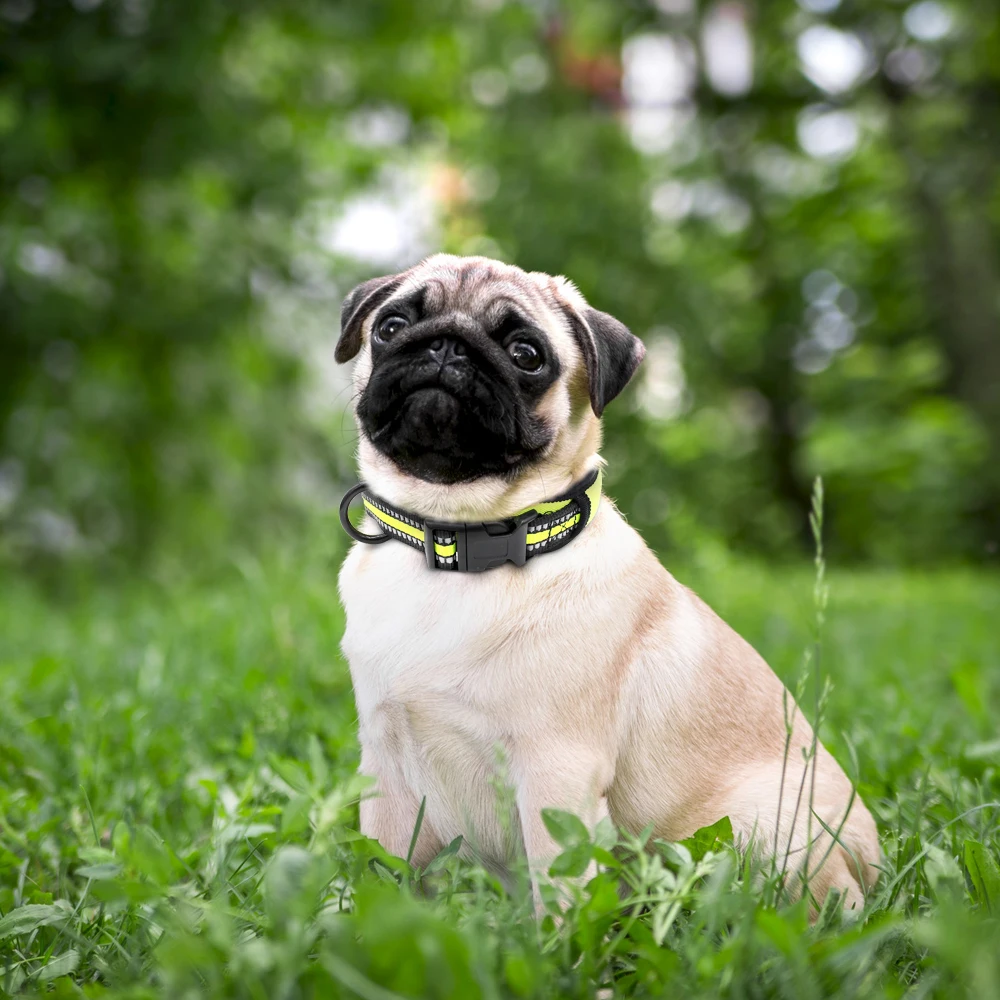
<point>472,547</point>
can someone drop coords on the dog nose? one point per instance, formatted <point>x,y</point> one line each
<point>445,349</point>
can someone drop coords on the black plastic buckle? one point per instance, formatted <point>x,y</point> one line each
<point>480,547</point>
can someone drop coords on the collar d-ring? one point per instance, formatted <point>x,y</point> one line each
<point>345,520</point>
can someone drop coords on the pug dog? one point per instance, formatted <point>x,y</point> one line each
<point>609,689</point>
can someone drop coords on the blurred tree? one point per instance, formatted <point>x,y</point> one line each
<point>796,204</point>
<point>157,160</point>
<point>141,156</point>
<point>832,288</point>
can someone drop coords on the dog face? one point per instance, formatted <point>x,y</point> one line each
<point>472,368</point>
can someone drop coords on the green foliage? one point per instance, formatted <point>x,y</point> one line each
<point>171,270</point>
<point>984,874</point>
<point>178,809</point>
<point>166,167</point>
<point>793,288</point>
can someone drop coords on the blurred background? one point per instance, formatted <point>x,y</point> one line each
<point>795,204</point>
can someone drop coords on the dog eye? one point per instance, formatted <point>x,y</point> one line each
<point>390,326</point>
<point>526,356</point>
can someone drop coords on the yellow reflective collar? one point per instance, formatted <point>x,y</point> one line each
<point>472,547</point>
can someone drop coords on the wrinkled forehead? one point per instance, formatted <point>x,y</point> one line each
<point>483,288</point>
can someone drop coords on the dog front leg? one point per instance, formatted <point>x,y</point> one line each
<point>568,777</point>
<point>389,814</point>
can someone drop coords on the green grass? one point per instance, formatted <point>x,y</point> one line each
<point>178,812</point>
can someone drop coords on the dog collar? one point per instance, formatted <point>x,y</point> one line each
<point>471,547</point>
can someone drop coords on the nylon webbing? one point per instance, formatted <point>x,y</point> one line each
<point>554,524</point>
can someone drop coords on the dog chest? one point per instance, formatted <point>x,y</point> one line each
<point>452,675</point>
<point>423,714</point>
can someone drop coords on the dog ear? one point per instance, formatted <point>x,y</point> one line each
<point>611,352</point>
<point>359,303</point>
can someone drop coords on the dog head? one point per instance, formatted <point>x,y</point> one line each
<point>471,370</point>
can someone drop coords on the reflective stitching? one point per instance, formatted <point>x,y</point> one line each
<point>392,521</point>
<point>545,531</point>
<point>536,541</point>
